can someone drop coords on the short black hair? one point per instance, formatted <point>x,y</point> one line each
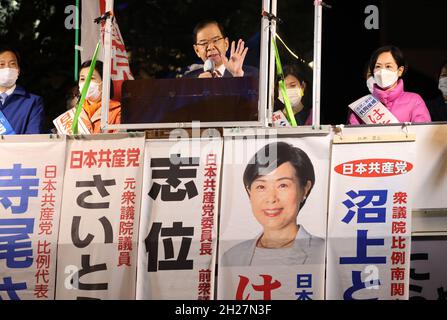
<point>395,52</point>
<point>281,152</point>
<point>98,67</point>
<point>202,24</point>
<point>296,70</point>
<point>366,71</point>
<point>304,74</point>
<point>6,48</point>
<point>443,65</point>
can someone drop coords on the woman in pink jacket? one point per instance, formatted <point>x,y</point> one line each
<point>388,65</point>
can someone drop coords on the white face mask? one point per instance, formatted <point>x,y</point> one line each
<point>93,92</point>
<point>385,78</point>
<point>370,84</point>
<point>295,95</point>
<point>8,77</point>
<point>443,86</point>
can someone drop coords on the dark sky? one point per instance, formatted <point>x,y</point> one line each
<point>417,27</point>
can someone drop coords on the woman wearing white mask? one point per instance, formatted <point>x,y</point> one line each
<point>388,65</point>
<point>20,111</point>
<point>91,110</point>
<point>296,84</point>
<point>438,106</point>
<point>370,81</point>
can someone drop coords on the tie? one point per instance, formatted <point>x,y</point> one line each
<point>217,74</point>
<point>3,97</point>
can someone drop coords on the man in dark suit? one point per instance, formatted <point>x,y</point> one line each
<point>210,43</point>
<point>20,112</point>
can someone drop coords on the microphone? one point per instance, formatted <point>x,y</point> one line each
<point>209,66</point>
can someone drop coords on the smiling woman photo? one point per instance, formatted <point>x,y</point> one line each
<point>277,190</point>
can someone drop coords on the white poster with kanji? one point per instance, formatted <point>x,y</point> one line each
<point>31,180</point>
<point>97,256</point>
<point>178,229</point>
<point>273,218</point>
<point>369,226</point>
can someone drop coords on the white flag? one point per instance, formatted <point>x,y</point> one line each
<point>91,32</point>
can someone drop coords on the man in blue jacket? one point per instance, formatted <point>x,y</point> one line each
<point>20,111</point>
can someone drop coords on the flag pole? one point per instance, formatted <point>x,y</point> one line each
<point>74,126</point>
<point>76,62</point>
<point>107,66</point>
<point>316,91</point>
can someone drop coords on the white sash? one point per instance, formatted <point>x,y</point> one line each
<point>5,126</point>
<point>279,119</point>
<point>64,122</point>
<point>372,111</point>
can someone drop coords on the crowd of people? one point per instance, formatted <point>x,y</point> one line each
<point>23,113</point>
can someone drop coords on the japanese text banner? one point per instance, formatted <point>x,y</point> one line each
<point>31,180</point>
<point>273,218</point>
<point>369,228</point>
<point>178,230</point>
<point>97,255</point>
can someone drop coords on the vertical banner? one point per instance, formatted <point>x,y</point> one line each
<point>428,278</point>
<point>31,180</point>
<point>97,256</point>
<point>369,230</point>
<point>120,60</point>
<point>91,33</point>
<point>273,218</point>
<point>178,230</point>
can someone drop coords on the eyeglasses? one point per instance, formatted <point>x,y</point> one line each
<point>205,43</point>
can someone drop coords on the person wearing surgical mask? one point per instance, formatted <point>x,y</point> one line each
<point>387,65</point>
<point>370,81</point>
<point>20,111</point>
<point>438,106</point>
<point>91,109</point>
<point>296,84</point>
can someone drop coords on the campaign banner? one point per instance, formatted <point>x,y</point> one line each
<point>97,255</point>
<point>372,111</point>
<point>428,279</point>
<point>273,218</point>
<point>279,119</point>
<point>178,229</point>
<point>5,126</point>
<point>30,201</point>
<point>369,226</point>
<point>64,122</point>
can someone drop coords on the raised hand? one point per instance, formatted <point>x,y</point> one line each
<point>237,56</point>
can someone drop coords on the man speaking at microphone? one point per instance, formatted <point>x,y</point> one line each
<point>211,45</point>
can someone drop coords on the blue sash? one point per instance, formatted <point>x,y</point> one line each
<point>5,127</point>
